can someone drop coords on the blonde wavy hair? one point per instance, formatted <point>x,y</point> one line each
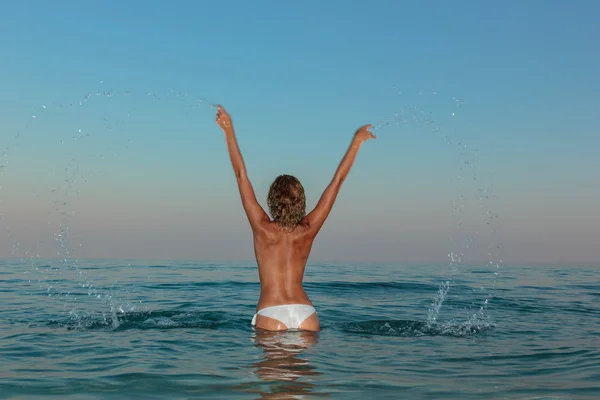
<point>287,202</point>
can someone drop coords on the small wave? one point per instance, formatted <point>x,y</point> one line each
<point>143,320</point>
<point>378,285</point>
<point>417,328</point>
<point>196,285</point>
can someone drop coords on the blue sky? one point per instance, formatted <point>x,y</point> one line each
<point>148,174</point>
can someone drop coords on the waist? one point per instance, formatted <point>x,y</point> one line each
<point>278,298</point>
<point>286,306</point>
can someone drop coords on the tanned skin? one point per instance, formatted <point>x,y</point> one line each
<point>281,256</point>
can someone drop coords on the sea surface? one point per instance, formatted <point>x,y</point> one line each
<point>181,330</point>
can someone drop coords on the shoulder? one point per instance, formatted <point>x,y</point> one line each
<point>304,229</point>
<point>265,228</point>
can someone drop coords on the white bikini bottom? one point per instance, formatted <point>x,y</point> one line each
<point>291,315</point>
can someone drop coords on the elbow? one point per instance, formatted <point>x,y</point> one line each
<point>337,182</point>
<point>240,174</point>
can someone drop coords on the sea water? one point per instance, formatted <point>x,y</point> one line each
<point>179,330</point>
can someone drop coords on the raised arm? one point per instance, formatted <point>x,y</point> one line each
<point>317,217</point>
<point>255,213</point>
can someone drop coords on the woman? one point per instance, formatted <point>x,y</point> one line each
<point>282,245</point>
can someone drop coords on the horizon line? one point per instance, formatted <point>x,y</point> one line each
<point>158,261</point>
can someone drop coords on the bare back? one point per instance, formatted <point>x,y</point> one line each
<point>281,259</point>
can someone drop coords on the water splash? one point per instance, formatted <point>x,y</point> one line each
<point>72,140</point>
<point>469,184</point>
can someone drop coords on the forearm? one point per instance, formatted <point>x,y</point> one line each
<point>346,163</point>
<point>235,154</point>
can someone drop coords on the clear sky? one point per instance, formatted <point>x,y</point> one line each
<point>124,150</point>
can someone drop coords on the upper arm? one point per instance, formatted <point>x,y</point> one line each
<point>316,218</point>
<point>255,213</point>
